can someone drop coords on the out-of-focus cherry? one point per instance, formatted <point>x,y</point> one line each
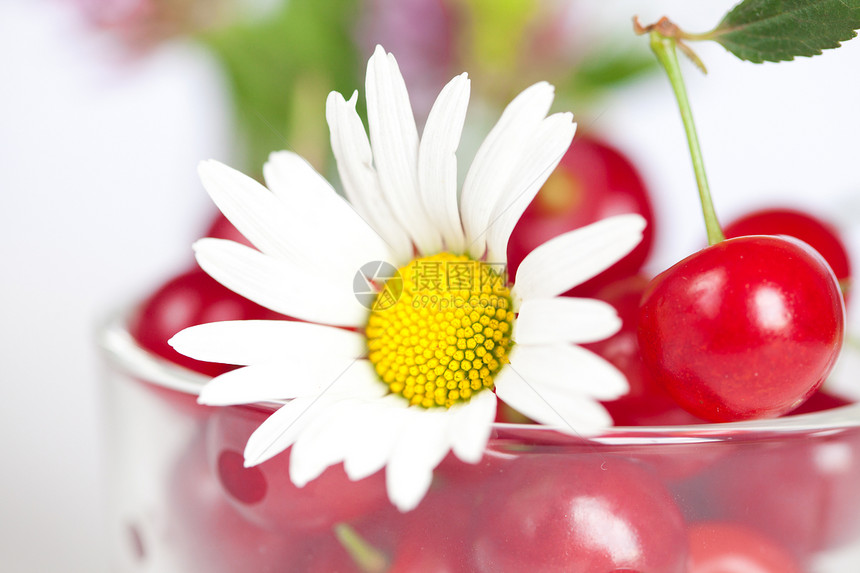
<point>818,234</point>
<point>435,536</point>
<point>264,493</point>
<point>592,182</point>
<point>221,228</point>
<point>206,534</point>
<point>801,493</point>
<point>186,300</point>
<point>717,547</point>
<point>579,513</point>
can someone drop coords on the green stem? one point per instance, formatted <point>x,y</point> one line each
<point>368,558</point>
<point>702,37</point>
<point>664,48</point>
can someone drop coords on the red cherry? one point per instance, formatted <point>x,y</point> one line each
<point>622,348</point>
<point>264,493</point>
<point>732,548</point>
<point>746,328</point>
<point>186,300</point>
<point>818,234</point>
<point>802,492</point>
<point>592,182</point>
<point>453,473</point>
<point>435,536</point>
<point>649,411</point>
<point>222,228</point>
<point>821,401</point>
<point>584,513</point>
<point>204,531</point>
<point>673,463</point>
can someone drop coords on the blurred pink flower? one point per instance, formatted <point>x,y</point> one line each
<point>422,34</point>
<point>142,23</point>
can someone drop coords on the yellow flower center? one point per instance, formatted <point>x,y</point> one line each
<point>447,333</point>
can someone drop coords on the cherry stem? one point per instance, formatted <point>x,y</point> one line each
<point>368,558</point>
<point>664,49</point>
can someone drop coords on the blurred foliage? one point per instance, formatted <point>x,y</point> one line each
<point>498,30</point>
<point>510,44</point>
<point>280,70</point>
<point>604,68</point>
<point>281,58</point>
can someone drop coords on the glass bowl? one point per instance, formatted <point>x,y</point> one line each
<point>782,495</point>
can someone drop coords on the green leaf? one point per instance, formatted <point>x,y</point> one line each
<point>779,30</point>
<point>605,67</point>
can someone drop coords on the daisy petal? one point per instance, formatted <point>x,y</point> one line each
<point>569,413</point>
<point>574,257</point>
<point>298,377</point>
<point>280,430</point>
<point>394,140</point>
<point>244,342</point>
<point>372,441</point>
<point>568,369</point>
<point>437,161</point>
<point>352,153</point>
<point>542,154</point>
<point>421,447</point>
<point>495,160</point>
<point>321,217</point>
<point>322,444</point>
<point>280,285</point>
<point>256,213</point>
<point>563,319</point>
<point>471,426</point>
<point>259,383</point>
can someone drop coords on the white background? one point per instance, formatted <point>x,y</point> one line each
<point>100,202</point>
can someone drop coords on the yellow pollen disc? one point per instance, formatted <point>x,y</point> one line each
<point>447,334</point>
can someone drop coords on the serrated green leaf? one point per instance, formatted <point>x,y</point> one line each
<point>780,30</point>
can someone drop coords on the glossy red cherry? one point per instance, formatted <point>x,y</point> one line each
<point>592,182</point>
<point>746,328</point>
<point>717,547</point>
<point>818,234</point>
<point>589,514</point>
<point>186,300</point>
<point>264,493</point>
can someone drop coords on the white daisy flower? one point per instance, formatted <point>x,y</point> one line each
<point>416,375</point>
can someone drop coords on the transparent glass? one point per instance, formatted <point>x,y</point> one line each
<point>785,492</point>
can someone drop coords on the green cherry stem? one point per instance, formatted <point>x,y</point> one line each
<point>664,48</point>
<point>368,558</point>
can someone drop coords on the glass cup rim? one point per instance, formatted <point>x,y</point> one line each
<point>123,352</point>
